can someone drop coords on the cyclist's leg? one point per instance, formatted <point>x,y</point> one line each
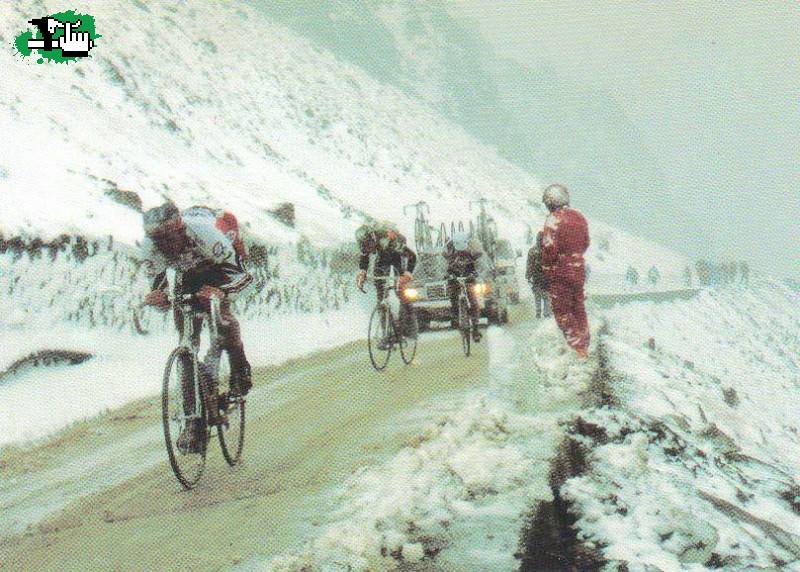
<point>380,285</point>
<point>382,270</point>
<point>452,293</point>
<point>407,323</point>
<point>231,335</point>
<point>474,310</point>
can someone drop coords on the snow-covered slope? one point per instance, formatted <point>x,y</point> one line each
<point>214,104</point>
<point>217,122</point>
<point>696,465</point>
<point>161,112</point>
<point>689,449</point>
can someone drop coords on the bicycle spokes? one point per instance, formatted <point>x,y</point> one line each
<point>378,337</point>
<point>231,407</point>
<point>183,417</point>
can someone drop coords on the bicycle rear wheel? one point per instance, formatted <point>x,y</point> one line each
<point>185,426</point>
<point>378,337</point>
<point>408,346</point>
<point>463,326</point>
<point>231,434</point>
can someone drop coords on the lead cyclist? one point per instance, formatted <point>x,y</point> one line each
<point>204,247</point>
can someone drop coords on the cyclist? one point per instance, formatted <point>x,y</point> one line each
<point>204,247</point>
<point>385,241</point>
<point>462,254</point>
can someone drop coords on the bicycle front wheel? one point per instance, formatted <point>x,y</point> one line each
<point>408,346</point>
<point>378,342</point>
<point>231,433</point>
<point>184,417</point>
<point>463,326</point>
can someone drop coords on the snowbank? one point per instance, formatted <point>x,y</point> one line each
<point>697,467</point>
<point>460,492</point>
<point>127,367</point>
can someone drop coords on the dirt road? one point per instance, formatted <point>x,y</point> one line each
<point>112,502</point>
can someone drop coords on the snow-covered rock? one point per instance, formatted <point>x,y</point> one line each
<point>698,465</point>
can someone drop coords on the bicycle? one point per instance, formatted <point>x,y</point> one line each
<point>464,314</point>
<point>383,331</point>
<point>191,400</point>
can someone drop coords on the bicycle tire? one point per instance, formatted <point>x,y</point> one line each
<point>186,477</point>
<point>376,328</point>
<point>408,346</point>
<point>231,437</point>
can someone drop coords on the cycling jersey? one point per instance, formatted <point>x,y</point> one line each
<point>209,257</point>
<point>391,252</point>
<point>462,262</point>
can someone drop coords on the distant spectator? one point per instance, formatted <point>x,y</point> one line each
<point>632,276</point>
<point>703,271</point>
<point>734,269</point>
<point>653,275</point>
<point>535,276</point>
<point>744,272</point>
<point>687,276</point>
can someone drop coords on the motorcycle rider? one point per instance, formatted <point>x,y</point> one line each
<point>566,239</point>
<point>462,254</point>
<point>204,247</point>
<point>389,245</point>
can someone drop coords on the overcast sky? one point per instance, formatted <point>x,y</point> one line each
<point>713,87</point>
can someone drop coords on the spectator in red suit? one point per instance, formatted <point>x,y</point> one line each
<point>566,238</point>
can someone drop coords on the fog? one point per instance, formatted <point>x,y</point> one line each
<point>678,122</point>
<point>713,93</point>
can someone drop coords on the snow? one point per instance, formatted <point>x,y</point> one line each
<point>240,131</point>
<point>460,492</point>
<point>249,131</point>
<point>130,367</point>
<point>699,462</point>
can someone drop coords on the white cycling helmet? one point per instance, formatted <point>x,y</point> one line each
<point>555,196</point>
<point>460,240</point>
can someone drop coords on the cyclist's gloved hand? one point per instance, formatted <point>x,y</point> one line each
<point>361,276</point>
<point>404,279</point>
<point>205,294</point>
<point>158,299</point>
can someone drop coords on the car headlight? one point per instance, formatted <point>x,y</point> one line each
<point>410,293</point>
<point>481,289</point>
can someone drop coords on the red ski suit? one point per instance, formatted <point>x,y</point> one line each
<point>566,238</point>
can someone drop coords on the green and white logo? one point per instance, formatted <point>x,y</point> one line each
<point>60,38</point>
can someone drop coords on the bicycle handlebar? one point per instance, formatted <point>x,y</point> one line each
<point>379,279</point>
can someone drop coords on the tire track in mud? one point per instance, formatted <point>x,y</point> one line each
<point>308,429</point>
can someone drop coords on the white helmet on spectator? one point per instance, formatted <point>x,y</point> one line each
<point>555,196</point>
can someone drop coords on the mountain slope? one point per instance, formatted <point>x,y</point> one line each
<point>165,109</point>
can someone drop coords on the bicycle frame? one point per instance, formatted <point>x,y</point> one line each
<point>388,324</point>
<point>462,294</point>
<point>183,304</point>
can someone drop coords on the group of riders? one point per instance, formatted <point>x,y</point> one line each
<point>392,254</point>
<point>204,247</point>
